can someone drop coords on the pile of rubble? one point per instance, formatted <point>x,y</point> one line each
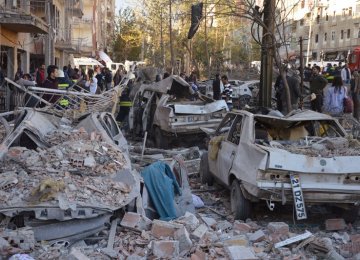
<point>195,237</point>
<point>77,169</point>
<point>324,147</point>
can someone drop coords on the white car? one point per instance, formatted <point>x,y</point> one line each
<point>304,158</point>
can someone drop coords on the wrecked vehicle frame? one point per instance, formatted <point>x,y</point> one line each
<point>256,156</point>
<point>170,111</point>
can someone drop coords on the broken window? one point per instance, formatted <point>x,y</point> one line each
<point>225,124</point>
<point>235,132</point>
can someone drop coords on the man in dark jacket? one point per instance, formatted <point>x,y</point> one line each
<point>317,84</point>
<point>216,87</point>
<point>51,83</point>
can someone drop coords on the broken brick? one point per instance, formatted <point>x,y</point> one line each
<point>241,227</point>
<point>240,240</point>
<point>164,229</point>
<point>135,221</point>
<point>257,236</point>
<point>240,253</point>
<point>199,232</point>
<point>165,249</point>
<point>183,237</point>
<point>335,224</point>
<point>279,228</point>
<point>198,255</point>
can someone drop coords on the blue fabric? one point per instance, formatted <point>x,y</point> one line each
<point>162,186</point>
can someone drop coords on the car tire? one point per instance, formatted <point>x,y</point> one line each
<point>161,141</point>
<point>205,175</point>
<point>240,206</point>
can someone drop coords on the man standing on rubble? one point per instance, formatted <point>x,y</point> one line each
<point>51,83</point>
<point>227,92</point>
<point>317,84</point>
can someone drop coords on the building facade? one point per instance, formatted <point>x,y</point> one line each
<point>36,32</point>
<point>331,28</point>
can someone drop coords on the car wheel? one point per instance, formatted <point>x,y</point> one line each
<point>205,175</point>
<point>161,141</point>
<point>240,206</point>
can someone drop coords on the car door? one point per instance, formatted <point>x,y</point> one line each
<point>221,133</point>
<point>228,149</point>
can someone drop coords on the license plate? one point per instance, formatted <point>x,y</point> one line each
<point>298,197</point>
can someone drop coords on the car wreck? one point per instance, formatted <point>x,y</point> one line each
<point>170,111</point>
<point>304,158</point>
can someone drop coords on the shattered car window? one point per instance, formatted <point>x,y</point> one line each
<point>235,132</point>
<point>225,124</point>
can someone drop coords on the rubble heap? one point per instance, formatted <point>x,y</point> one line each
<point>76,170</point>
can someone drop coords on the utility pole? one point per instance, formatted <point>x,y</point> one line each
<point>162,39</point>
<point>171,38</point>
<point>301,72</point>
<point>267,53</point>
<point>206,43</point>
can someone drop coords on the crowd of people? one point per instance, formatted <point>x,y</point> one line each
<point>334,90</point>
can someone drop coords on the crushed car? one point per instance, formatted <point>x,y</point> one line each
<point>170,111</point>
<point>305,158</point>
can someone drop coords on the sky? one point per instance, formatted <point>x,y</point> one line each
<point>123,4</point>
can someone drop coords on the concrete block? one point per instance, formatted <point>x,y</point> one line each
<point>135,221</point>
<point>165,249</point>
<point>190,221</point>
<point>335,224</point>
<point>257,236</point>
<point>240,253</point>
<point>278,228</point>
<point>164,229</point>
<point>185,243</point>
<point>199,232</point>
<point>241,227</point>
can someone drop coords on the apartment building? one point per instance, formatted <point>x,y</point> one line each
<point>35,32</point>
<point>95,29</point>
<point>331,28</point>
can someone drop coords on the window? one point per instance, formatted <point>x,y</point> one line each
<point>325,37</point>
<point>350,11</point>
<point>317,38</point>
<point>348,34</point>
<point>359,33</point>
<point>333,36</point>
<point>327,17</point>
<point>235,131</point>
<point>301,22</point>
<point>343,12</point>
<point>342,34</point>
<point>318,19</point>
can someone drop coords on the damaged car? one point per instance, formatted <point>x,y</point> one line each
<point>304,158</point>
<point>170,111</point>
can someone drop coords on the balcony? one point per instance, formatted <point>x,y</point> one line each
<point>24,16</point>
<point>76,8</point>
<point>70,46</point>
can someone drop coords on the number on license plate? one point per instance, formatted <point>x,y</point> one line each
<point>298,197</point>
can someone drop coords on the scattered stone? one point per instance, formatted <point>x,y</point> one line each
<point>135,221</point>
<point>198,255</point>
<point>240,253</point>
<point>240,240</point>
<point>185,242</point>
<point>165,249</point>
<point>279,228</point>
<point>223,226</point>
<point>335,224</point>
<point>257,236</point>
<point>190,221</point>
<point>210,222</point>
<point>162,229</point>
<point>199,232</point>
<point>241,227</point>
